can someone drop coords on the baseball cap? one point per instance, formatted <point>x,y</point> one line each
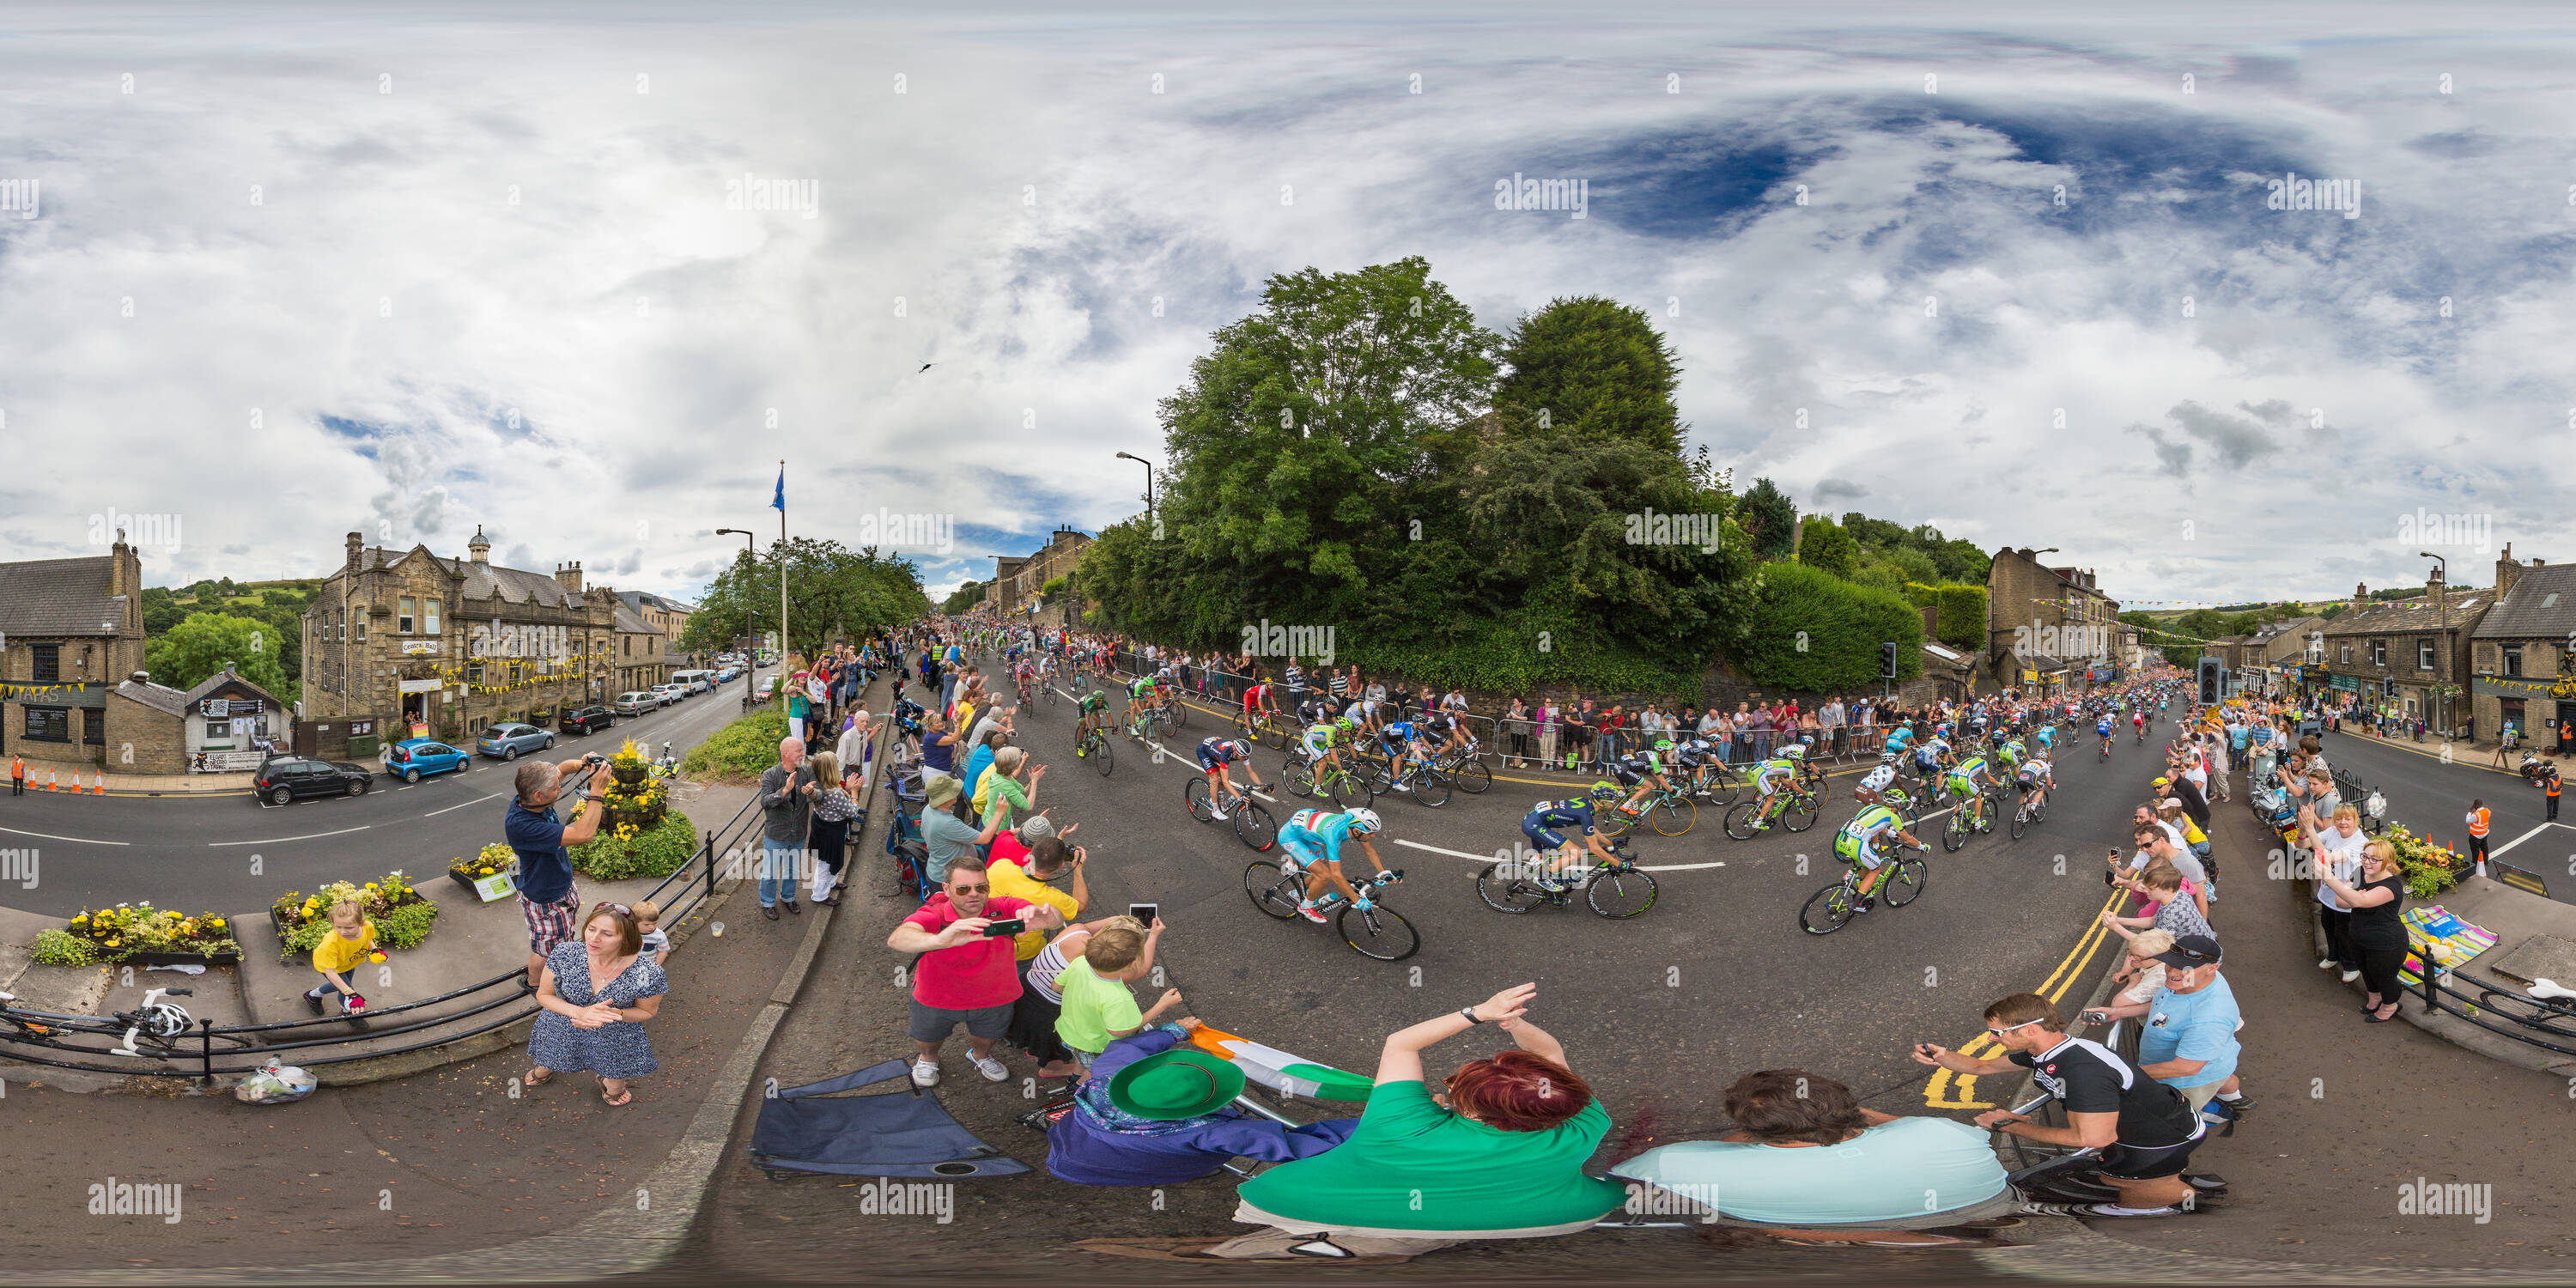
<point>2190,951</point>
<point>2164,782</point>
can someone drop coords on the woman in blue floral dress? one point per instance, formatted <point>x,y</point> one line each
<point>597,994</point>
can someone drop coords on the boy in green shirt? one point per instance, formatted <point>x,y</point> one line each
<point>1097,1006</point>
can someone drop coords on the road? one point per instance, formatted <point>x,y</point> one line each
<point>1716,979</point>
<point>232,853</point>
<point>2432,799</point>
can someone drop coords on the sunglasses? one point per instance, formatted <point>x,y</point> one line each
<point>1992,1031</point>
<point>618,908</point>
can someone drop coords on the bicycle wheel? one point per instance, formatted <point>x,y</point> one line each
<point>1299,777</point>
<point>1740,819</point>
<point>1988,805</point>
<point>1344,790</point>
<point>1827,910</point>
<point>1431,787</point>
<point>1102,760</point>
<point>1254,825</point>
<point>1179,712</point>
<point>1471,776</point>
<point>2021,820</point>
<point>1379,932</point>
<point>1672,816</point>
<point>1272,891</point>
<point>1904,884</point>
<point>1194,797</point>
<point>1275,733</point>
<point>1620,893</point>
<point>1050,693</point>
<point>1166,721</point>
<point>1799,814</point>
<point>1954,829</point>
<point>1503,889</point>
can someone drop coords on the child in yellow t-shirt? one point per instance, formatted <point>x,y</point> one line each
<point>351,941</point>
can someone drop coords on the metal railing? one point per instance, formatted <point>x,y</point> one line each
<point>691,886</point>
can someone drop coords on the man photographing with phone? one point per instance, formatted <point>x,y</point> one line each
<point>966,972</point>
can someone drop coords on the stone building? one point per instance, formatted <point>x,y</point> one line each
<point>667,615</point>
<point>2049,631</point>
<point>405,641</point>
<point>224,725</point>
<point>2406,655</point>
<point>2522,671</point>
<point>1018,588</point>
<point>638,657</point>
<point>71,630</point>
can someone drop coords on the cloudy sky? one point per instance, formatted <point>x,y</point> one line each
<point>583,276</point>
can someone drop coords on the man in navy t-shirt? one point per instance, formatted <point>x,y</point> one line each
<point>547,897</point>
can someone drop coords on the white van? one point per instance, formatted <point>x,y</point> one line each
<point>695,681</point>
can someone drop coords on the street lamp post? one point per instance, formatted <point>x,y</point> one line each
<point>1149,479</point>
<point>2441,635</point>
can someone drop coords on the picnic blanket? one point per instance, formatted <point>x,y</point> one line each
<point>2452,943</point>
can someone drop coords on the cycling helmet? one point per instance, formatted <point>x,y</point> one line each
<point>1663,744</point>
<point>1795,751</point>
<point>1238,746</point>
<point>1605,790</point>
<point>1347,722</point>
<point>1365,821</point>
<point>1887,758</point>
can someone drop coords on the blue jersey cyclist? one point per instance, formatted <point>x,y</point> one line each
<point>1396,738</point>
<point>1215,757</point>
<point>1899,738</point>
<point>1312,838</point>
<point>1547,824</point>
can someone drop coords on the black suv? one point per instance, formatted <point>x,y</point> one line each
<point>286,778</point>
<point>587,720</point>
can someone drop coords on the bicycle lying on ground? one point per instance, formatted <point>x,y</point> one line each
<point>1371,928</point>
<point>153,1029</point>
<point>1617,890</point>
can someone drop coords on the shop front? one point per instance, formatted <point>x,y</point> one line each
<point>2538,710</point>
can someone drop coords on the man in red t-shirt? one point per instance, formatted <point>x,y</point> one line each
<point>965,975</point>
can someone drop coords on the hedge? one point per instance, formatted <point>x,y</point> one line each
<point>744,749</point>
<point>1813,632</point>
<point>1960,616</point>
<point>656,852</point>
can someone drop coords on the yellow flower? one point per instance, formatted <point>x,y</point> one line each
<point>79,919</point>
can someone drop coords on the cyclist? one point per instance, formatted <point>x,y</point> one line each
<point>1216,756</point>
<point>2046,736</point>
<point>1313,838</point>
<point>1932,754</point>
<point>1259,701</point>
<point>1967,779</point>
<point>1860,840</point>
<point>1899,738</point>
<point>1447,730</point>
<point>1694,755</point>
<point>1544,827</point>
<point>2011,753</point>
<point>2036,780</point>
<point>1396,738</point>
<point>1641,772</point>
<point>2138,719</point>
<point>1323,742</point>
<point>2102,730</point>
<point>1773,774</point>
<point>1093,707</point>
<point>1140,699</point>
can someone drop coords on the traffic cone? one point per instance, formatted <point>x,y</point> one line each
<point>50,784</point>
<point>100,787</point>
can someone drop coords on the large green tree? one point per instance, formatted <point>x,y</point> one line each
<point>829,588</point>
<point>1770,518</point>
<point>966,596</point>
<point>202,643</point>
<point>1591,367</point>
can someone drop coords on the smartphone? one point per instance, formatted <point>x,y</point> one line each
<point>1145,912</point>
<point>1001,928</point>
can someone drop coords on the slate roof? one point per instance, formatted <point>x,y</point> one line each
<point>2543,604</point>
<point>159,697</point>
<point>60,597</point>
<point>221,678</point>
<point>638,599</point>
<point>485,581</point>
<point>628,622</point>
<point>2401,616</point>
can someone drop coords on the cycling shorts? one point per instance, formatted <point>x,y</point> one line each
<point>1318,743</point>
<point>1625,776</point>
<point>1862,850</point>
<point>1542,839</point>
<point>1963,784</point>
<point>1769,780</point>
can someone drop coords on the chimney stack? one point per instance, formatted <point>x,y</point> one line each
<point>357,546</point>
<point>570,575</point>
<point>2509,570</point>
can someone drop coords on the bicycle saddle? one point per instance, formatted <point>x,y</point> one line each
<point>2546,987</point>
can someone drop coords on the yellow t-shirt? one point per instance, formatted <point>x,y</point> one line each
<point>339,953</point>
<point>1009,878</point>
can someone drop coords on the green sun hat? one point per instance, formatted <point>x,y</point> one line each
<point>1176,1084</point>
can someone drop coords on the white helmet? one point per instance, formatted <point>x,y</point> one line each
<point>1365,820</point>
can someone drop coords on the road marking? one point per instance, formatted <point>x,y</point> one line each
<point>1963,1086</point>
<point>2527,836</point>
<point>281,840</point>
<point>82,840</point>
<point>476,801</point>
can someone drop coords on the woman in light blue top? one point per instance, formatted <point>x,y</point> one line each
<point>1807,1161</point>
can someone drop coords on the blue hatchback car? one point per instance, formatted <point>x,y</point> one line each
<point>412,759</point>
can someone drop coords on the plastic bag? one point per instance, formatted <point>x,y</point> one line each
<point>275,1084</point>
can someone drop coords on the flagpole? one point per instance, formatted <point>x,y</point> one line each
<point>783,677</point>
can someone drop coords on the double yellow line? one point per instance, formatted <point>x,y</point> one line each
<point>1947,1090</point>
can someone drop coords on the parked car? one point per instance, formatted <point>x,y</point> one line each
<point>509,740</point>
<point>286,778</point>
<point>636,703</point>
<point>588,720</point>
<point>414,758</point>
<point>671,693</point>
<point>768,686</point>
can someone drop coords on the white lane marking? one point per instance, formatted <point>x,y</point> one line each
<point>281,840</point>
<point>476,801</point>
<point>83,840</point>
<point>2522,838</point>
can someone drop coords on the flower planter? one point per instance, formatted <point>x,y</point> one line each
<point>465,876</point>
<point>182,959</point>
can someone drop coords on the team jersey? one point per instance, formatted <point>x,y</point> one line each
<point>1879,778</point>
<point>2046,734</point>
<point>2035,772</point>
<point>1217,750</point>
<point>1398,731</point>
<point>1093,701</point>
<point>1970,768</point>
<point>1774,768</point>
<point>1319,829</point>
<point>1143,687</point>
<point>1862,834</point>
<point>1551,815</point>
<point>2103,726</point>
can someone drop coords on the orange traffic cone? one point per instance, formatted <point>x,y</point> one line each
<point>50,784</point>
<point>99,788</point>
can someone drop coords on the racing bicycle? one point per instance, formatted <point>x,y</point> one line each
<point>1371,928</point>
<point>152,1030</point>
<point>1095,748</point>
<point>1252,821</point>
<point>1466,769</point>
<point>1338,783</point>
<point>1616,889</point>
<point>1421,780</point>
<point>1668,810</point>
<point>1793,807</point>
<point>2032,809</point>
<point>1975,814</point>
<point>1831,908</point>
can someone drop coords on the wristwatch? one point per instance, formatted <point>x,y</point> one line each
<point>1470,1013</point>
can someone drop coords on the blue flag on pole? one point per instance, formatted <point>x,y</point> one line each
<point>779,502</point>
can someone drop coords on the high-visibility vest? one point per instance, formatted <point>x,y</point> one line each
<point>17,767</point>
<point>2478,821</point>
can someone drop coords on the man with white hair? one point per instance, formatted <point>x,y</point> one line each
<point>787,792</point>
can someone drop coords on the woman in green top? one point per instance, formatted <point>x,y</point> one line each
<point>1499,1155</point>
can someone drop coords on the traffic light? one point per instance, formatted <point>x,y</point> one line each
<point>2209,668</point>
<point>1887,661</point>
